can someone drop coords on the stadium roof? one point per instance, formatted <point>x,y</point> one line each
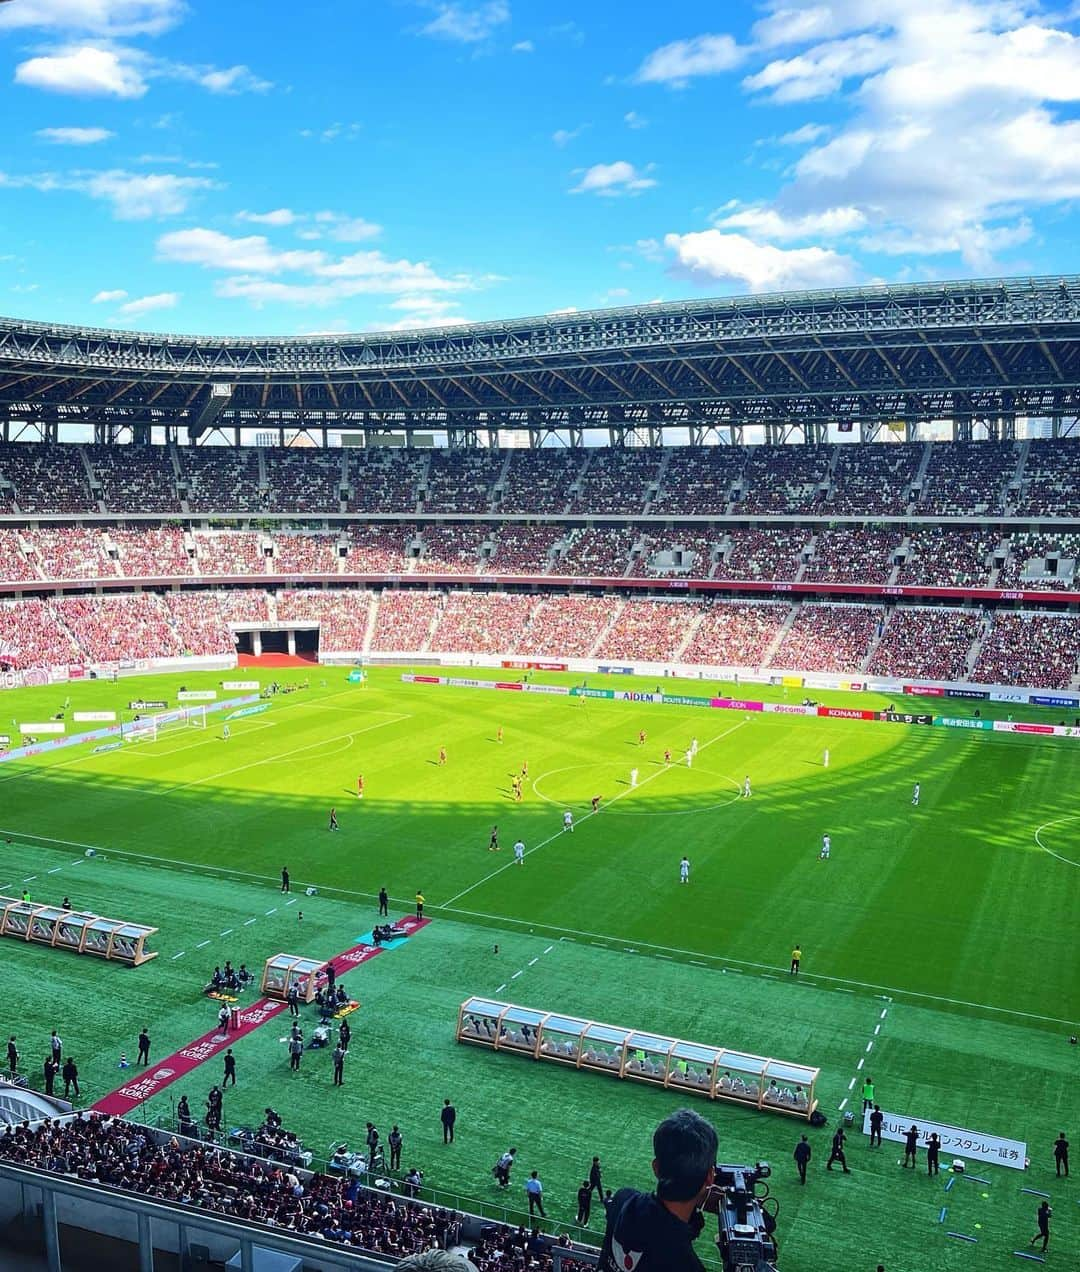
<point>977,349</point>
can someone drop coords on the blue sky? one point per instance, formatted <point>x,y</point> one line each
<point>340,165</point>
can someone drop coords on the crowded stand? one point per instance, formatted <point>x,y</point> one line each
<point>452,547</point>
<point>298,553</point>
<point>377,549</point>
<point>43,477</point>
<point>756,553</point>
<point>603,551</point>
<point>965,478</point>
<point>539,481</point>
<point>302,479</point>
<point>568,626</point>
<point>1040,562</point>
<point>110,628</point>
<point>926,642</point>
<point>678,553</point>
<point>940,556</point>
<point>618,481</point>
<point>784,479</point>
<point>15,565</point>
<point>829,638</point>
<point>484,622</point>
<point>199,624</point>
<point>736,633</point>
<point>524,549</point>
<point>1050,486</point>
<point>229,552</point>
<point>652,631</point>
<point>342,615</point>
<point>384,480</point>
<point>151,552</point>
<point>874,478</point>
<point>697,481</point>
<point>1035,650</point>
<point>31,636</point>
<point>134,478</point>
<point>221,479</point>
<point>462,481</point>
<point>72,552</point>
<point>852,556</point>
<point>405,619</point>
<point>246,605</point>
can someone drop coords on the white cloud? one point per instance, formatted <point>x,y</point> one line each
<point>633,120</point>
<point>804,136</point>
<point>564,136</point>
<point>109,297</point>
<point>680,61</point>
<point>147,304</point>
<point>232,80</point>
<point>140,196</point>
<point>613,179</point>
<point>84,71</point>
<point>278,217</point>
<point>821,71</point>
<point>333,132</point>
<point>74,136</point>
<point>94,17</point>
<point>709,257</point>
<point>467,23</point>
<point>347,229</point>
<point>559,313</point>
<point>523,46</point>
<point>769,223</point>
<point>250,255</point>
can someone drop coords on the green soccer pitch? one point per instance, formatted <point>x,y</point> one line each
<point>939,942</point>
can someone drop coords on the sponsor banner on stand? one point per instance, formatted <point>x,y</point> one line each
<point>981,694</point>
<point>561,689</point>
<point>146,704</point>
<point>629,695</point>
<point>1009,726</point>
<point>963,722</point>
<point>976,1146</point>
<point>791,682</point>
<point>579,691</point>
<point>683,700</point>
<point>736,704</point>
<point>904,717</point>
<point>47,726</point>
<point>531,665</point>
<point>925,691</point>
<point>1053,700</point>
<point>76,673</point>
<point>846,713</point>
<point>1007,695</point>
<point>196,695</point>
<point>785,708</point>
<point>608,670</point>
<point>5,738</point>
<point>240,684</point>
<point>83,717</point>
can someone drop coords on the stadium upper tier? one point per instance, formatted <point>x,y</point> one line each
<point>986,348</point>
<point>1038,480</point>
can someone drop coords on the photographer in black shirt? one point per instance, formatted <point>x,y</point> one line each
<point>654,1232</point>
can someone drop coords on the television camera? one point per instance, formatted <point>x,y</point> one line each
<point>746,1217</point>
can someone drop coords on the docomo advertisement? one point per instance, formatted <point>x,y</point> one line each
<point>49,726</point>
<point>955,1142</point>
<point>93,717</point>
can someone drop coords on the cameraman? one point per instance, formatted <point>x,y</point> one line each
<point>654,1232</point>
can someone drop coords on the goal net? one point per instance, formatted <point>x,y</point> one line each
<point>148,728</point>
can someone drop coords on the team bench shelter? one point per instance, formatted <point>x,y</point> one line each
<point>776,1086</point>
<point>75,930</point>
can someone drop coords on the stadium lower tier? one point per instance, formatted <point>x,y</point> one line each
<point>1030,648</point>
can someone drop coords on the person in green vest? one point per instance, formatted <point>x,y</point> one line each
<point>867,1093</point>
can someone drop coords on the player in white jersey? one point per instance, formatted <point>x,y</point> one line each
<point>915,794</point>
<point>746,791</point>
<point>684,870</point>
<point>689,757</point>
<point>519,853</point>
<point>826,847</point>
<point>825,764</point>
<point>568,821</point>
<point>693,745</point>
<point>633,777</point>
<point>224,733</point>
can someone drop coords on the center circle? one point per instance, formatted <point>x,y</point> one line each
<point>613,808</point>
<point>1057,821</point>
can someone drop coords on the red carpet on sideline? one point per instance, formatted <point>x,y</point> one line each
<point>155,1078</point>
<point>276,660</point>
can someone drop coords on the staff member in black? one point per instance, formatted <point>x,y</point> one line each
<point>595,1180</point>
<point>229,1078</point>
<point>285,887</point>
<point>584,1204</point>
<point>50,1073</point>
<point>1042,1218</point>
<point>448,1116</point>
<point>837,1154</point>
<point>877,1118</point>
<point>394,1141</point>
<point>144,1047</point>
<point>1061,1155</point>
<point>933,1148</point>
<point>70,1074</point>
<point>12,1056</point>
<point>339,1065</point>
<point>911,1145</point>
<point>331,980</point>
<point>384,904</point>
<point>802,1156</point>
<point>344,1033</point>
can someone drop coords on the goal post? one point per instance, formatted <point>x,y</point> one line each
<point>196,718</point>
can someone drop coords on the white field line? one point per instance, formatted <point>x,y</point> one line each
<point>559,833</point>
